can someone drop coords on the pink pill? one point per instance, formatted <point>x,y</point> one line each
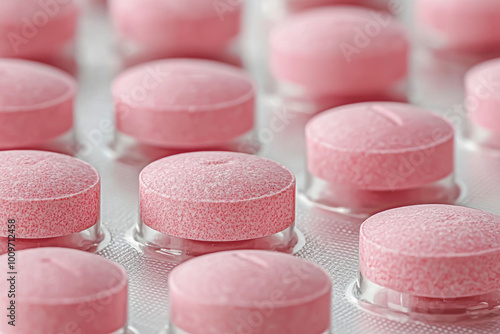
<point>183,103</point>
<point>36,29</point>
<point>438,251</point>
<point>250,291</point>
<point>36,103</point>
<point>380,146</point>
<point>483,94</point>
<point>194,28</point>
<point>346,51</point>
<point>47,194</point>
<point>217,196</point>
<point>60,290</point>
<point>461,25</point>
<point>369,157</point>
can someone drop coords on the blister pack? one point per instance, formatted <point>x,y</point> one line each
<point>450,158</point>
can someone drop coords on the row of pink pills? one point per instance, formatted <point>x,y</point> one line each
<point>44,31</point>
<point>209,200</point>
<point>469,246</point>
<point>411,267</point>
<point>152,94</point>
<point>216,96</point>
<point>195,28</point>
<point>183,195</point>
<point>314,79</point>
<point>66,290</point>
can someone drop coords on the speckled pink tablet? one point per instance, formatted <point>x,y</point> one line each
<point>48,194</point>
<point>463,25</point>
<point>194,28</point>
<point>184,103</point>
<point>36,29</point>
<point>380,146</point>
<point>61,290</point>
<point>217,196</point>
<point>340,50</point>
<point>36,103</point>
<point>483,95</point>
<point>437,251</point>
<point>250,291</point>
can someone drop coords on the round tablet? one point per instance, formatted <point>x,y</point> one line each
<point>483,95</point>
<point>184,103</point>
<point>35,29</point>
<point>239,291</point>
<point>36,103</point>
<point>60,290</point>
<point>217,196</point>
<point>48,194</point>
<point>380,146</point>
<point>438,251</point>
<point>467,25</point>
<point>182,28</point>
<point>340,50</point>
